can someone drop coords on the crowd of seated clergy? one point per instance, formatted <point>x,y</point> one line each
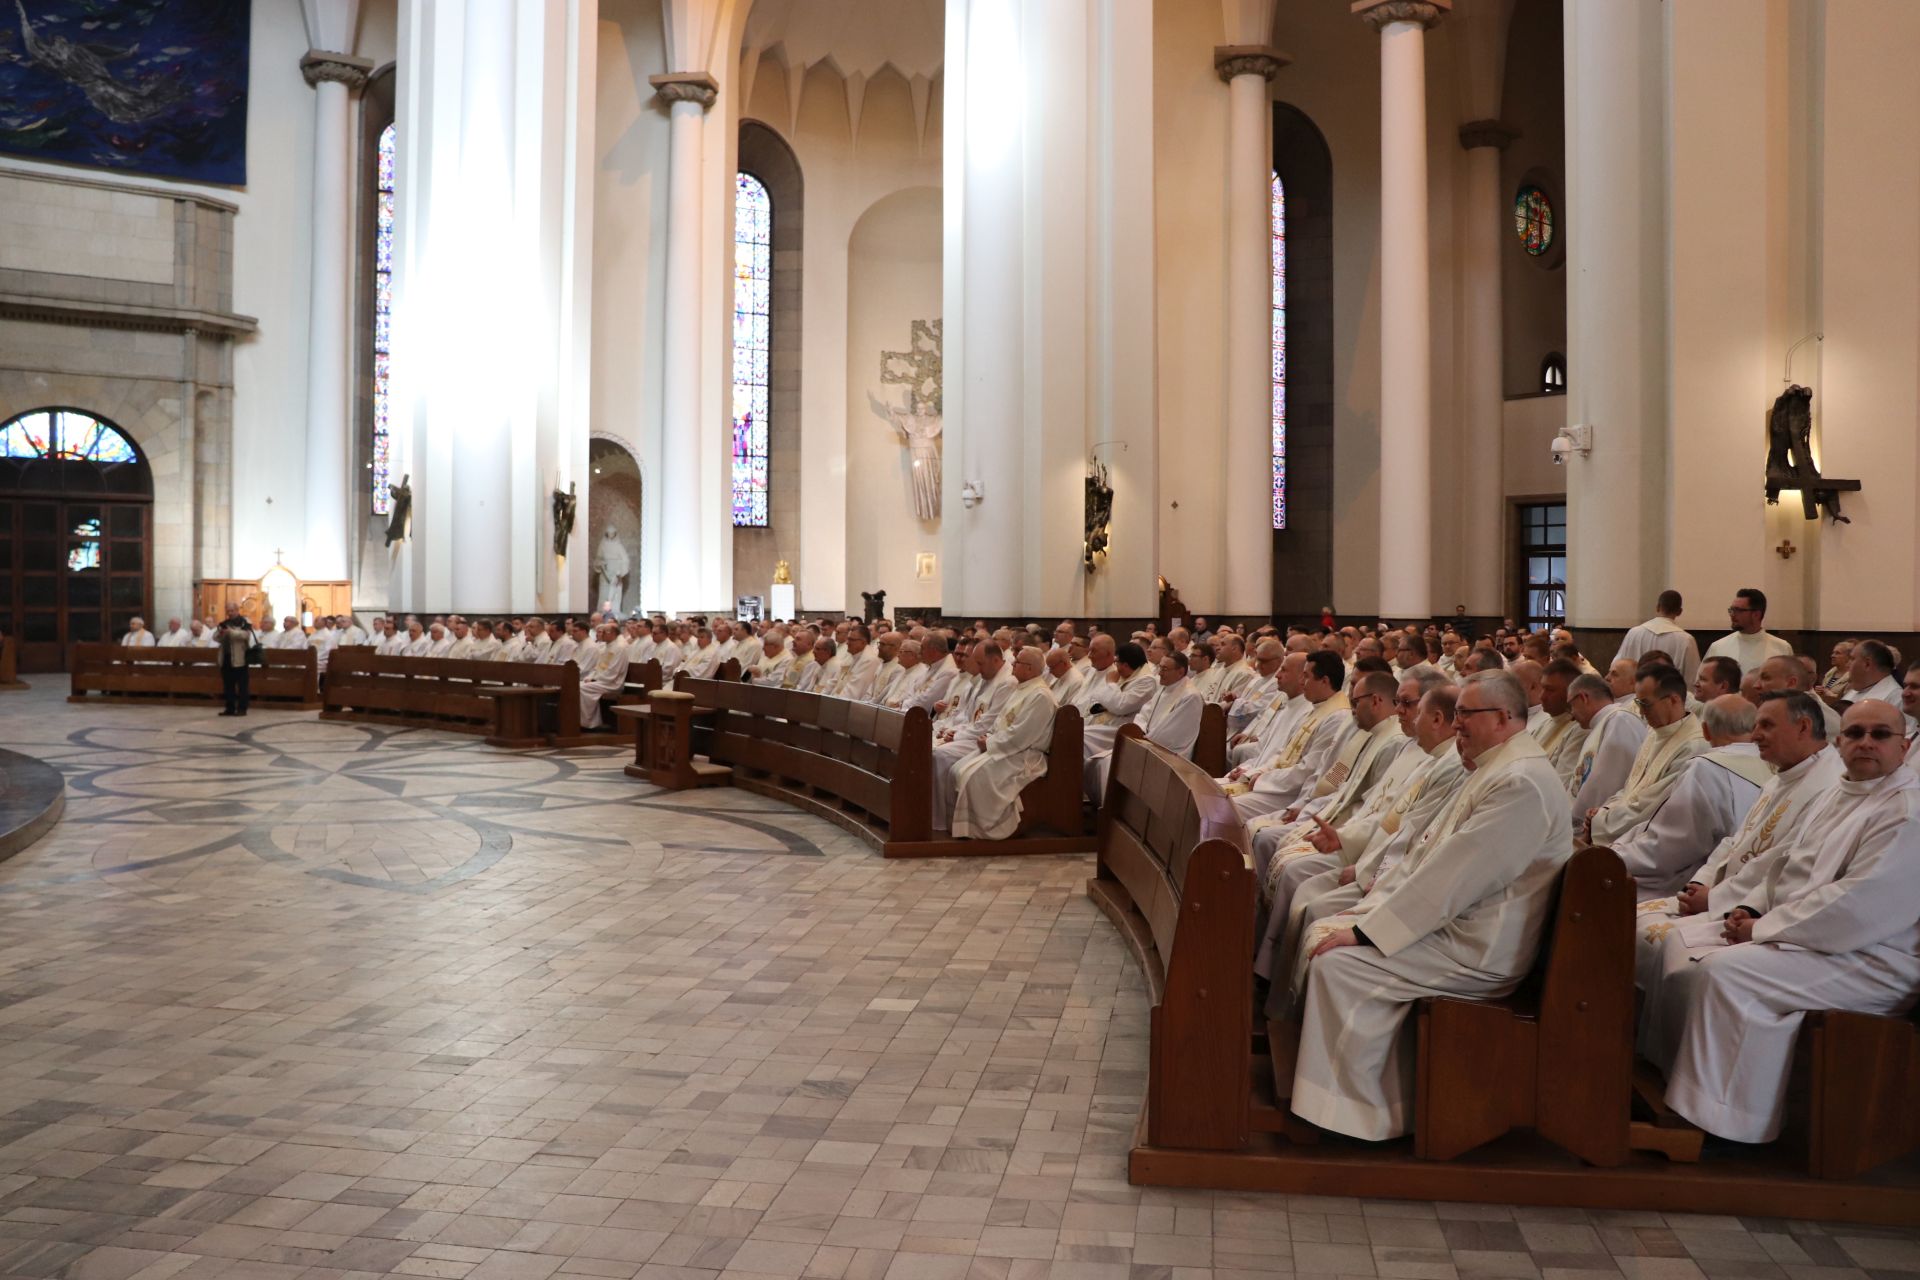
<point>1410,814</point>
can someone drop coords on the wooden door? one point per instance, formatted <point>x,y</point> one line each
<point>76,570</point>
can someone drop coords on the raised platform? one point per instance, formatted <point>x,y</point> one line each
<point>32,796</point>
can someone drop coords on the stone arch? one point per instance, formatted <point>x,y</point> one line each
<point>1303,551</point>
<point>766,155</point>
<point>616,493</point>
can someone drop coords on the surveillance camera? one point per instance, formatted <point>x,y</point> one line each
<point>1561,448</point>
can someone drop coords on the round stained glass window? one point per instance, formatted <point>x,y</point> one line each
<point>1533,220</point>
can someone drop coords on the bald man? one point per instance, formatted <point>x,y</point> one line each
<point>1707,803</point>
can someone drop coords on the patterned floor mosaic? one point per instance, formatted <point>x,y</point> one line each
<point>283,1000</point>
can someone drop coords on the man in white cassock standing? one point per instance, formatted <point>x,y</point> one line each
<point>1831,921</point>
<point>1664,633</point>
<point>1749,643</point>
<point>1463,918</point>
<point>987,786</point>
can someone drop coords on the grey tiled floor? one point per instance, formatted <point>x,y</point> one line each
<point>286,999</point>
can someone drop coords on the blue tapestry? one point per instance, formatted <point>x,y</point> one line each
<point>152,86</point>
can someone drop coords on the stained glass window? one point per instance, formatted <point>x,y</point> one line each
<point>1533,220</point>
<point>752,290</point>
<point>1279,200</point>
<point>62,433</point>
<point>383,324</point>
<point>83,552</point>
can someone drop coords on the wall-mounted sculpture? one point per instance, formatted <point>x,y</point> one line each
<point>1790,462</point>
<point>918,424</point>
<point>1099,514</point>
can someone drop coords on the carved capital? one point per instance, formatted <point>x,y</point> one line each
<point>1378,13</point>
<point>1231,61</point>
<point>686,86</point>
<point>1475,134</point>
<point>319,66</point>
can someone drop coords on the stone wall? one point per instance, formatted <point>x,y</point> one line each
<point>117,300</point>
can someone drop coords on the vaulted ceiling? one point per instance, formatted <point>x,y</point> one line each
<point>854,39</point>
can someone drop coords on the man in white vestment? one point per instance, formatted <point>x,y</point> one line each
<point>350,634</point>
<point>1870,674</point>
<point>175,637</point>
<point>1463,916</point>
<point>776,661</point>
<point>1348,857</point>
<point>200,636</point>
<point>289,636</point>
<point>1910,705</point>
<point>1787,675</point>
<point>1790,737</point>
<point>1237,675</point>
<point>461,650</point>
<point>1663,632</point>
<point>911,680</point>
<point>1831,921</point>
<point>862,665</point>
<point>1749,643</point>
<point>607,675</point>
<point>940,670</point>
<point>486,647</point>
<point>562,649</point>
<point>1672,741</point>
<point>1532,677</point>
<point>137,636</point>
<point>668,651</point>
<point>1093,673</point>
<point>1613,740</point>
<point>815,671</point>
<point>987,786</point>
<point>540,641</point>
<point>1251,714</point>
<point>1064,680</point>
<point>1115,697</point>
<point>587,645</point>
<point>1706,804</point>
<point>1202,675</point>
<point>887,645</point>
<point>439,643</point>
<point>415,644</point>
<point>703,660</point>
<point>1170,719</point>
<point>1287,775</point>
<point>957,708</point>
<point>958,740</point>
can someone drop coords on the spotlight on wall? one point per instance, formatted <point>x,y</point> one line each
<point>1573,441</point>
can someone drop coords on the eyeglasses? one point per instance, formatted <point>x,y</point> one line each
<point>1476,711</point>
<point>1741,608</point>
<point>1406,702</point>
<point>1854,733</point>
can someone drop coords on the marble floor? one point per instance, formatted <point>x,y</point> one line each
<point>282,999</point>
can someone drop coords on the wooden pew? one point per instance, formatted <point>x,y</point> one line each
<point>870,770</point>
<point>171,676</point>
<point>10,664</point>
<point>1210,748</point>
<point>1852,1096</point>
<point>461,695</point>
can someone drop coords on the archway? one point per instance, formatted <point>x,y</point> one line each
<point>613,502</point>
<point>76,533</point>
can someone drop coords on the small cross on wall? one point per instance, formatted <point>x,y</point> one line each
<point>1786,549</point>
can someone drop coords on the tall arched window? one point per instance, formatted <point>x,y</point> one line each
<point>1279,204</point>
<point>382,321</point>
<point>752,305</point>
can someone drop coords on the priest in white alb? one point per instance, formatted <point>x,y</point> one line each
<point>1464,917</point>
<point>1614,735</point>
<point>1113,696</point>
<point>1705,805</point>
<point>1291,772</point>
<point>1672,740</point>
<point>1170,719</point>
<point>1663,633</point>
<point>607,676</point>
<point>1831,922</point>
<point>957,740</point>
<point>987,785</point>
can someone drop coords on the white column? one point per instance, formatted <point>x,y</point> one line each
<point>1482,404</point>
<point>688,96</point>
<point>334,77</point>
<point>1617,309</point>
<point>1406,375</point>
<point>1246,534</point>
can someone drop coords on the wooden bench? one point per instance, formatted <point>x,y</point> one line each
<point>159,676</point>
<point>516,704</point>
<point>1854,1096</point>
<point>870,770</point>
<point>1210,748</point>
<point>10,664</point>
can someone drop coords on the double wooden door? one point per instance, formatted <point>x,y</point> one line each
<point>76,569</point>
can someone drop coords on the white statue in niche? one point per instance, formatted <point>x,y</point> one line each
<point>610,568</point>
<point>918,423</point>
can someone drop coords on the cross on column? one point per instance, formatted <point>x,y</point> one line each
<point>1786,549</point>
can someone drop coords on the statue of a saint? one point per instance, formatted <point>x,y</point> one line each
<point>918,422</point>
<point>782,573</point>
<point>564,506</point>
<point>920,432</point>
<point>610,569</point>
<point>400,509</point>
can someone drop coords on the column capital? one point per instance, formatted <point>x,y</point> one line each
<point>686,86</point>
<point>1378,13</point>
<point>320,66</point>
<point>1475,134</point>
<point>1230,61</point>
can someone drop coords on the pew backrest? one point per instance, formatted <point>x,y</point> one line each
<point>189,675</point>
<point>444,692</point>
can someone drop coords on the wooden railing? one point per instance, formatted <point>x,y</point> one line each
<point>159,676</point>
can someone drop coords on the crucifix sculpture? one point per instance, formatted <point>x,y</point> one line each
<point>919,423</point>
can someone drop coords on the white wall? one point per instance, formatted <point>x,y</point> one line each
<point>893,279</point>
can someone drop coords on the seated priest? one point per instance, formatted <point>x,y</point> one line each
<point>1063,679</point>
<point>940,668</point>
<point>1113,697</point>
<point>1170,719</point>
<point>669,650</point>
<point>1910,704</point>
<point>814,674</point>
<point>1357,768</point>
<point>176,636</point>
<point>1251,714</point>
<point>415,643</point>
<point>289,636</point>
<point>1463,916</point>
<point>1706,804</point>
<point>439,642</point>
<point>776,660</point>
<point>200,635</point>
<point>987,785</point>
<point>957,739</point>
<point>138,637</point>
<point>1359,852</point>
<point>888,646</point>
<point>910,681</point>
<point>1614,735</point>
<point>486,646</point>
<point>1871,674</point>
<point>1202,674</point>
<point>1290,773</point>
<point>957,707</point>
<point>605,678</point>
<point>1829,921</point>
<point>1672,741</point>
<point>1560,735</point>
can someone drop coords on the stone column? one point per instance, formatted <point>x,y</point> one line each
<point>1482,404</point>
<point>1406,375</point>
<point>1247,515</point>
<point>334,78</point>
<point>687,95</point>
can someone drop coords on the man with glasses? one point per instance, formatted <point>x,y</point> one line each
<point>1461,914</point>
<point>1910,706</point>
<point>1289,773</point>
<point>1672,740</point>
<point>1276,702</point>
<point>1830,921</point>
<point>1749,643</point>
<point>1253,705</point>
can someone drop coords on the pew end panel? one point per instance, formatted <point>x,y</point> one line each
<point>1854,1092</point>
<point>1210,748</point>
